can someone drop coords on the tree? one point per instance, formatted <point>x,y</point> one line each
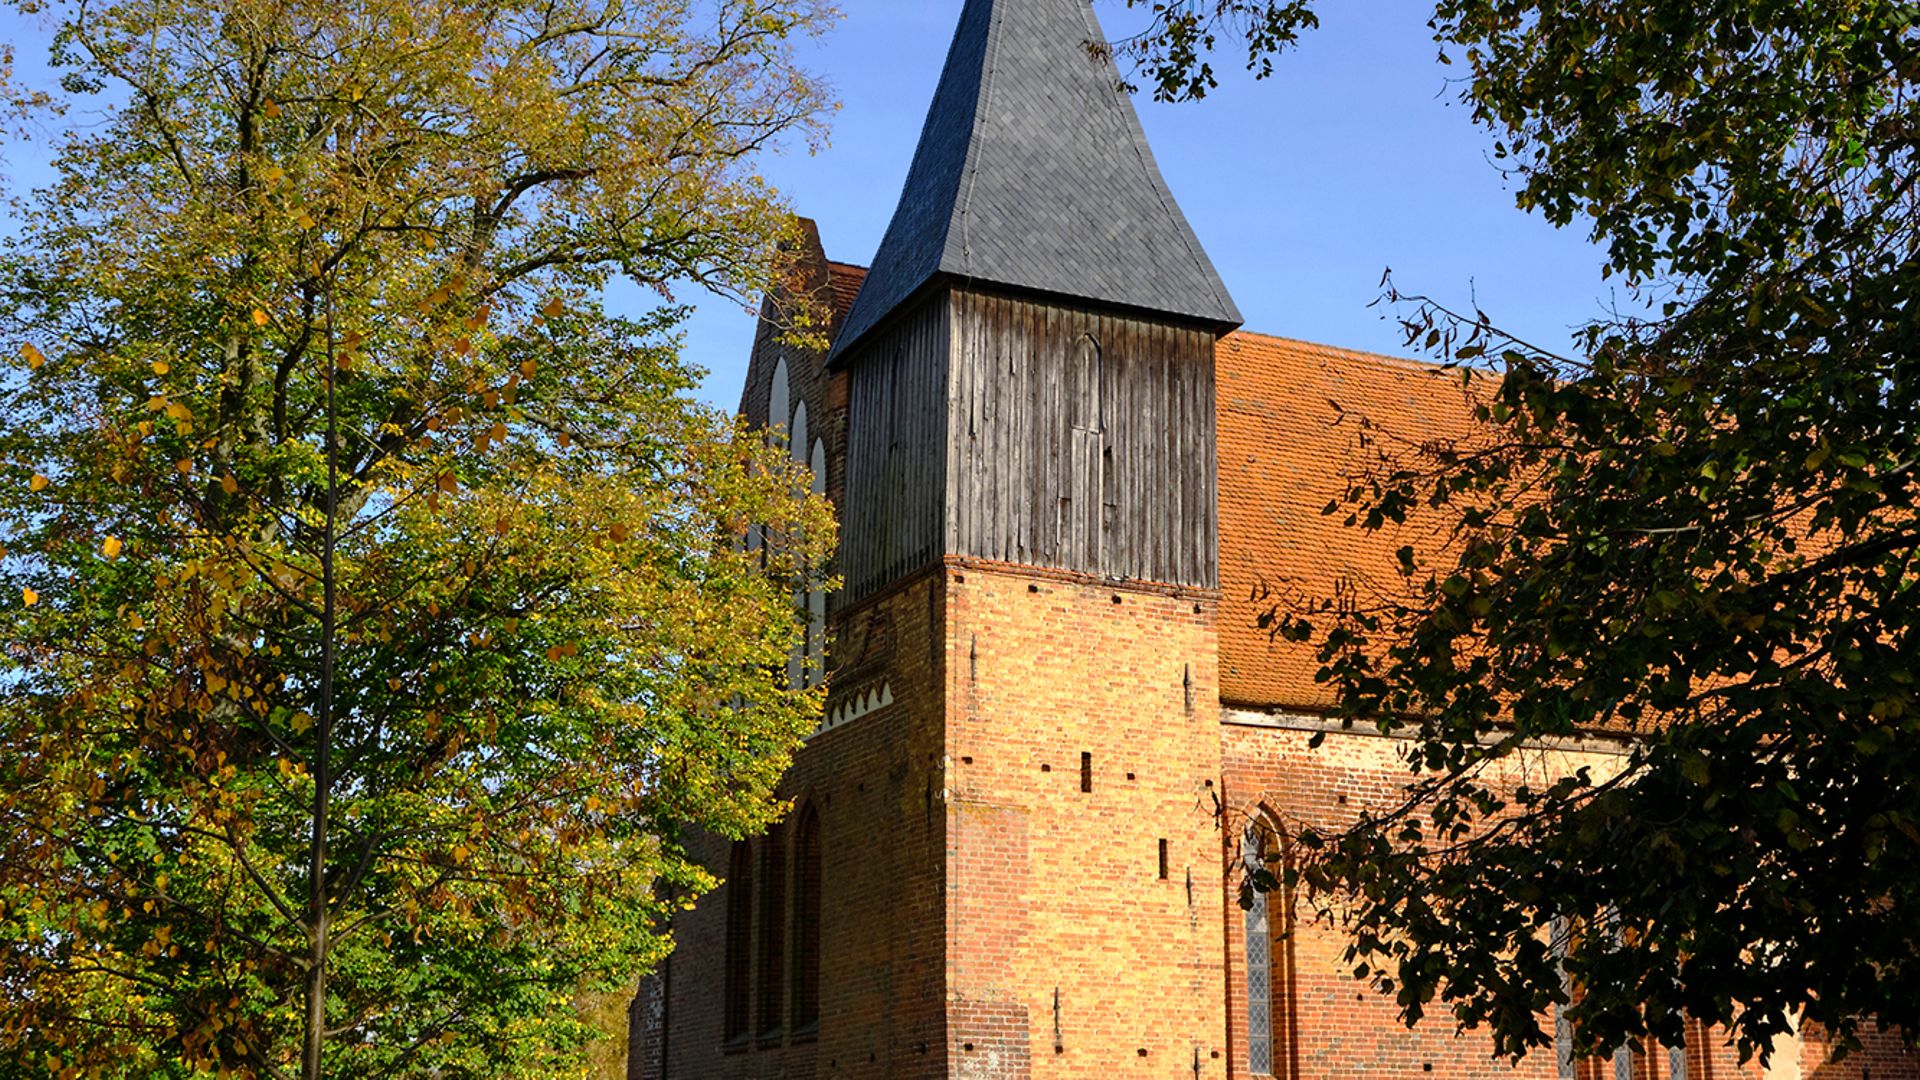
<point>375,620</point>
<point>1698,529</point>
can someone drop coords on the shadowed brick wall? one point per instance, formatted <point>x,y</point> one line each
<point>875,784</point>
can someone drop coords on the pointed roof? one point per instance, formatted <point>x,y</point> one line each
<point>1033,172</point>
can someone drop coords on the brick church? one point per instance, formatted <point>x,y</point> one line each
<point>1054,730</point>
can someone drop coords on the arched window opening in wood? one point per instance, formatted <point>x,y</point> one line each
<point>773,921</point>
<point>737,991</point>
<point>1086,385</point>
<point>806,923</point>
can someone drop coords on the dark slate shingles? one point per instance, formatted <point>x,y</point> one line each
<point>1033,172</point>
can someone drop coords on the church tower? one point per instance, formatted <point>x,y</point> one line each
<point>1003,861</point>
<point>1031,407</point>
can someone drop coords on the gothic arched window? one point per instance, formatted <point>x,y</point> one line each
<point>817,598</point>
<point>797,432</point>
<point>1256,845</point>
<point>779,400</point>
<point>737,995</point>
<point>773,920</point>
<point>1269,930</point>
<point>806,922</point>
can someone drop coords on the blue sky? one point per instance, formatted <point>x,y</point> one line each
<point>1353,158</point>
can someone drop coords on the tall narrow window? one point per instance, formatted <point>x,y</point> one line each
<point>773,938</point>
<point>817,598</point>
<point>779,407</point>
<point>1271,1031</point>
<point>806,923</point>
<point>738,996</point>
<point>1677,1060</point>
<point>1087,409</point>
<point>1259,958</point>
<point>1560,933</point>
<point>797,659</point>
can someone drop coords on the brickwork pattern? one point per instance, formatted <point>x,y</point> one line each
<point>875,785</point>
<point>1068,955</point>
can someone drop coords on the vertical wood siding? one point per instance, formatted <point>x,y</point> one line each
<point>896,451</point>
<point>1037,433</point>
<point>1081,440</point>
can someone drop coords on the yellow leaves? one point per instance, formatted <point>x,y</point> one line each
<point>230,484</point>
<point>305,221</point>
<point>554,308</point>
<point>161,367</point>
<point>461,853</point>
<point>300,722</point>
<point>111,547</point>
<point>28,597</point>
<point>38,483</point>
<point>618,533</point>
<point>272,109</point>
<point>34,357</point>
<point>527,368</point>
<point>447,483</point>
<point>259,317</point>
<point>184,466</point>
<point>560,652</point>
<point>273,174</point>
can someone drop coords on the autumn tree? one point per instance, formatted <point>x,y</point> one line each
<point>1695,529</point>
<point>374,621</point>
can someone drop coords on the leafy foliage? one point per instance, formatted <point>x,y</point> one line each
<point>312,384</point>
<point>1698,533</point>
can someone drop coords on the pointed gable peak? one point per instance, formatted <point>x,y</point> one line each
<point>1033,173</point>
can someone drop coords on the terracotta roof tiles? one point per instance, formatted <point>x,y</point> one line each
<point>1297,422</point>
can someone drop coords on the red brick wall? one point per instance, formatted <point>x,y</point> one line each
<point>1345,1030</point>
<point>875,783</point>
<point>1052,889</point>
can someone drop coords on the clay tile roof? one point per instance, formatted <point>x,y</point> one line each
<point>845,279</point>
<point>1297,421</point>
<point>1033,172</point>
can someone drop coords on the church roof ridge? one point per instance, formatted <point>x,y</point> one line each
<point>1033,172</point>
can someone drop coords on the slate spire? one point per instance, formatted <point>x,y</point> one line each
<point>1033,172</point>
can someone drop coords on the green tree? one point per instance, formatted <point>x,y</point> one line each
<point>1697,528</point>
<point>374,616</point>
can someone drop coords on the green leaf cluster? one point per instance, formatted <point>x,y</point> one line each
<point>317,298</point>
<point>1694,538</point>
